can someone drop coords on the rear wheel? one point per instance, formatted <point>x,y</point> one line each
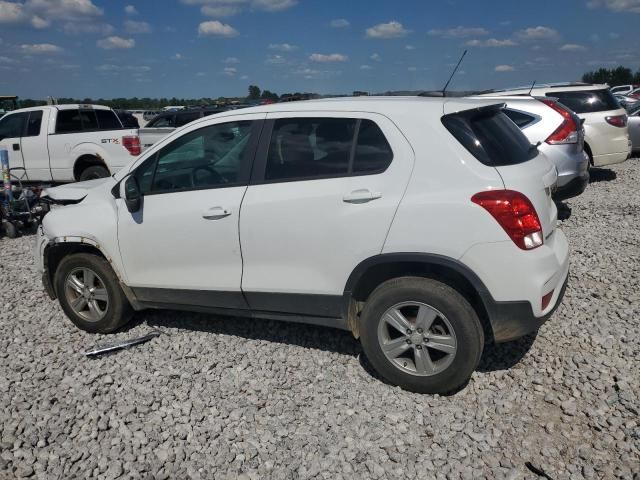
<point>421,335</point>
<point>93,172</point>
<point>90,293</point>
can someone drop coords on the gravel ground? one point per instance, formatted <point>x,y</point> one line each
<point>233,398</point>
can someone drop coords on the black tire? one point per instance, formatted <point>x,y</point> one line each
<point>460,315</point>
<point>118,312</point>
<point>93,172</point>
<point>10,230</point>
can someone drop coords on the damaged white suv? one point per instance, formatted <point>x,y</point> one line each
<point>422,225</point>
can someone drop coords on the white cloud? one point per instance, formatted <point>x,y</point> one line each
<point>412,69</point>
<point>459,32</point>
<point>504,68</point>
<point>130,10</point>
<point>244,77</point>
<point>631,6</point>
<point>7,60</point>
<point>230,71</point>
<point>217,29</point>
<point>330,58</point>
<point>366,67</point>
<point>39,22</point>
<point>282,47</point>
<point>376,57</point>
<point>339,23</point>
<point>275,60</point>
<point>231,60</point>
<point>137,27</point>
<point>111,43</point>
<point>39,48</point>
<point>491,43</point>
<point>77,28</point>
<point>12,12</point>
<point>572,47</point>
<point>108,67</point>
<point>538,33</point>
<point>227,8</point>
<point>387,30</point>
<point>409,47</point>
<point>177,56</point>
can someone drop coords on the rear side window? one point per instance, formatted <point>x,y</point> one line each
<point>587,101</point>
<point>68,121</point>
<point>89,120</point>
<point>307,148</point>
<point>162,122</point>
<point>108,120</point>
<point>34,123</point>
<point>521,119</point>
<point>373,153</point>
<point>490,136</point>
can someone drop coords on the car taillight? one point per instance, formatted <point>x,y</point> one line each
<point>132,144</point>
<point>567,132</point>
<point>516,215</point>
<point>617,120</point>
<point>546,299</point>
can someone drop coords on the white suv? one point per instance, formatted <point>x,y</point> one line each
<point>605,121</point>
<point>421,225</point>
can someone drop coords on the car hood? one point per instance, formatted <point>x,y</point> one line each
<point>74,192</point>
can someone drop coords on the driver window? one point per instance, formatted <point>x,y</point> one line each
<point>211,157</point>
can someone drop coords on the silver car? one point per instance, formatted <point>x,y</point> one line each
<point>558,133</point>
<point>634,127</point>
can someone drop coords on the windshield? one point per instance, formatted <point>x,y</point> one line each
<point>490,136</point>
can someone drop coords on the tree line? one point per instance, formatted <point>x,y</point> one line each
<point>613,77</point>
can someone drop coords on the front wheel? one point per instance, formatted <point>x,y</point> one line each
<point>421,335</point>
<point>90,293</point>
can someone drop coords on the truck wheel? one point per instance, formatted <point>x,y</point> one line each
<point>93,172</point>
<point>421,335</point>
<point>90,293</point>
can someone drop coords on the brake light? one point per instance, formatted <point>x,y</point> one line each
<point>567,132</point>
<point>515,214</point>
<point>546,299</point>
<point>132,144</point>
<point>617,121</point>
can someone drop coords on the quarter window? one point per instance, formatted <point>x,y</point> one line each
<point>210,157</point>
<point>108,120</point>
<point>519,118</point>
<point>373,153</point>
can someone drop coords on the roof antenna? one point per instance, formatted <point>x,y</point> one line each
<point>531,89</point>
<point>444,90</point>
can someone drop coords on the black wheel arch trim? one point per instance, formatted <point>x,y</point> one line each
<point>508,320</point>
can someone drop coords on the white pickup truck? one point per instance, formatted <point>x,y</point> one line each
<point>66,143</point>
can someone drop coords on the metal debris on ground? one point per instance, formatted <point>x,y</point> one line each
<point>111,347</point>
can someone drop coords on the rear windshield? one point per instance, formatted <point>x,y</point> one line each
<point>490,136</point>
<point>587,101</point>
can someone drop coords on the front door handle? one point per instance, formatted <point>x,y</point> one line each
<point>216,213</point>
<point>16,147</point>
<point>362,195</point>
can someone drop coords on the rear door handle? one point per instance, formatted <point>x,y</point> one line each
<point>362,195</point>
<point>216,213</point>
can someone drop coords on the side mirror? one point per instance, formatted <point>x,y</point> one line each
<point>132,194</point>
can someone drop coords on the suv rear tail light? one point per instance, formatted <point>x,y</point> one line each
<point>132,144</point>
<point>567,132</point>
<point>516,215</point>
<point>617,121</point>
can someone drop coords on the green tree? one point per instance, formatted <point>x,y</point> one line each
<point>254,92</point>
<point>267,95</point>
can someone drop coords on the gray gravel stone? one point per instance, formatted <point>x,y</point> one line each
<point>218,397</point>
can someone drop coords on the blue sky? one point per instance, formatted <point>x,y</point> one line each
<point>210,48</point>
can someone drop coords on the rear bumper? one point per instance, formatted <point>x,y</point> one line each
<point>572,189</point>
<point>517,280</point>
<point>610,158</point>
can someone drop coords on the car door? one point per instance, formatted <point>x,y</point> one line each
<point>11,128</point>
<point>324,192</point>
<point>34,146</point>
<point>183,247</point>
